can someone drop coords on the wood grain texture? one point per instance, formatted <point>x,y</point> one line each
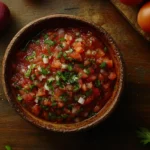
<point>118,132</point>
<point>130,13</point>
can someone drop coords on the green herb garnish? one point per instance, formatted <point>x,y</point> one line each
<point>49,42</point>
<point>88,93</point>
<point>103,65</point>
<point>62,39</point>
<point>44,71</point>
<point>97,83</point>
<point>69,51</point>
<point>76,87</point>
<point>7,147</point>
<point>70,68</point>
<point>87,71</point>
<point>52,116</point>
<point>105,49</point>
<point>144,135</point>
<point>54,104</point>
<point>28,72</point>
<point>46,36</point>
<point>32,56</point>
<point>59,54</point>
<point>32,86</point>
<point>64,116</point>
<point>64,97</point>
<point>19,98</point>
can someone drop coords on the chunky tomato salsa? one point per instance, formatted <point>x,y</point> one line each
<point>64,75</point>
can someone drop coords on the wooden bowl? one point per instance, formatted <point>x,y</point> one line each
<point>57,21</point>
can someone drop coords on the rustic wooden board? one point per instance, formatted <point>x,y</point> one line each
<point>130,13</point>
<point>118,132</point>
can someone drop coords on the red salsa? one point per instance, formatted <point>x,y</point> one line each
<point>64,75</point>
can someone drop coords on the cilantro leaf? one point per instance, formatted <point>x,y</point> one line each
<point>144,135</point>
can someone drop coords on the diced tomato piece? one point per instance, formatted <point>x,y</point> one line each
<point>96,109</point>
<point>47,102</point>
<point>106,86</point>
<point>96,92</point>
<point>60,104</point>
<point>108,62</point>
<point>91,78</point>
<point>28,97</point>
<point>41,92</point>
<point>56,64</point>
<point>89,100</point>
<point>112,76</point>
<point>36,110</point>
<point>75,56</point>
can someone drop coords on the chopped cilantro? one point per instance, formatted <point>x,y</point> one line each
<point>88,93</point>
<point>32,77</point>
<point>70,68</point>
<point>87,71</point>
<point>54,104</point>
<point>19,98</point>
<point>49,42</point>
<point>46,36</point>
<point>44,107</point>
<point>32,56</point>
<point>62,39</point>
<point>103,65</point>
<point>32,86</point>
<point>105,49</point>
<point>59,54</point>
<point>64,116</point>
<point>44,71</point>
<point>7,147</point>
<point>64,97</point>
<point>28,72</point>
<point>52,116</point>
<point>97,83</point>
<point>76,87</point>
<point>69,51</point>
<point>92,114</point>
<point>65,55</point>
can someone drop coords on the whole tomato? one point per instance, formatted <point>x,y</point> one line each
<point>143,18</point>
<point>131,2</point>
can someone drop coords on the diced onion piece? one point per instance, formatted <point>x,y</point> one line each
<point>81,100</point>
<point>46,87</point>
<point>42,77</point>
<point>51,79</point>
<point>77,33</point>
<point>45,60</point>
<point>79,40</point>
<point>93,52</point>
<point>23,70</point>
<point>61,31</point>
<point>64,66</point>
<point>64,44</point>
<point>89,85</point>
<point>36,100</point>
<point>57,78</point>
<point>29,66</point>
<point>39,68</point>
<point>74,110</point>
<point>88,52</point>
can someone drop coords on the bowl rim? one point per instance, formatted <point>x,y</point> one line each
<point>52,128</point>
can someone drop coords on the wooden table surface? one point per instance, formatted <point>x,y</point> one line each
<point>118,131</point>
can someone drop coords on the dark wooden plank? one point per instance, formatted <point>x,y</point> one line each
<point>118,132</point>
<point>130,13</point>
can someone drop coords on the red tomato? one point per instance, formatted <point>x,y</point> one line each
<point>131,2</point>
<point>144,17</point>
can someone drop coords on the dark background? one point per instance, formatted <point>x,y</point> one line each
<point>119,130</point>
